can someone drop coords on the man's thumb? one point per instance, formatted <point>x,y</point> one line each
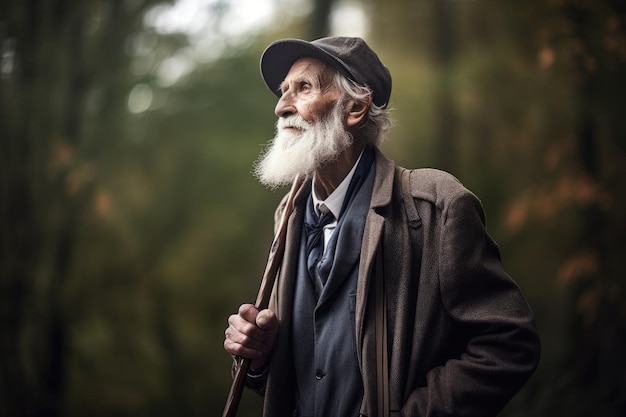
<point>263,321</point>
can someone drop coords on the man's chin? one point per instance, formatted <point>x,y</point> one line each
<point>288,136</point>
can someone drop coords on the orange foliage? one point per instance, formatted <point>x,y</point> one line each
<point>102,203</point>
<point>578,267</point>
<point>545,203</point>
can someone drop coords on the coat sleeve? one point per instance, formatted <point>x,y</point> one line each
<point>496,344</point>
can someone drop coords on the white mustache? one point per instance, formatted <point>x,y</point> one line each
<point>294,121</point>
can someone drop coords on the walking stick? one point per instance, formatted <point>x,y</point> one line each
<point>271,270</point>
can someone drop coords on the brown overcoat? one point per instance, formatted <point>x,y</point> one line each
<point>461,337</point>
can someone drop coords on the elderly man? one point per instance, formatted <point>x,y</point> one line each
<point>391,298</point>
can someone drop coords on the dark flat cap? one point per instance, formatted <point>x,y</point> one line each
<point>351,56</point>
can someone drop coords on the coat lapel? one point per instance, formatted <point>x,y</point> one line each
<point>374,228</point>
<point>283,291</point>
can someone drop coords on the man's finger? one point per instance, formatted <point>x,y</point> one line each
<point>248,312</point>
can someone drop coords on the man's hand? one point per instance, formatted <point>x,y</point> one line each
<point>251,334</point>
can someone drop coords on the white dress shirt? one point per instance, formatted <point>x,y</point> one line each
<point>333,202</point>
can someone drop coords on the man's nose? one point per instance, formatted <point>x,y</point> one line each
<point>285,106</point>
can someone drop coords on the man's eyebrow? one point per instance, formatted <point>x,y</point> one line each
<point>300,78</point>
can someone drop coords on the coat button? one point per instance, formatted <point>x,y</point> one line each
<point>319,374</point>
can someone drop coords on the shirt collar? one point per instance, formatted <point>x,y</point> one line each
<point>335,200</point>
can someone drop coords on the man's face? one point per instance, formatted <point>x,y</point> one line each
<point>310,131</point>
<point>307,90</point>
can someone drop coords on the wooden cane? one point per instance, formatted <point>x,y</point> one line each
<point>269,277</point>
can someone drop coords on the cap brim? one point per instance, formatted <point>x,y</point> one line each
<point>278,58</point>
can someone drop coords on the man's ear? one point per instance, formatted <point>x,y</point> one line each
<point>357,110</point>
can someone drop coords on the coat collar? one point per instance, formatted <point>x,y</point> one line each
<point>383,183</point>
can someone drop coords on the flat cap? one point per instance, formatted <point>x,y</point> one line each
<point>352,57</point>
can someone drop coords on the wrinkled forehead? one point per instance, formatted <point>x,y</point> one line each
<point>311,70</point>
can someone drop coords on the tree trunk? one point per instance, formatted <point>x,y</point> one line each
<point>320,19</point>
<point>446,113</point>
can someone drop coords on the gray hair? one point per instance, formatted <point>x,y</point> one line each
<point>377,122</point>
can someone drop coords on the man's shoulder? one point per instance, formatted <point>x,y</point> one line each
<point>432,185</point>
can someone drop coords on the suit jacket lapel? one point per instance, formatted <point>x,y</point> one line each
<point>347,249</point>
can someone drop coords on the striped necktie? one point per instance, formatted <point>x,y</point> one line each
<point>314,228</point>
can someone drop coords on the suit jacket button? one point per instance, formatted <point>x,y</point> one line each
<point>319,374</point>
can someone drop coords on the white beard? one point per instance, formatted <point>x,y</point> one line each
<point>301,151</point>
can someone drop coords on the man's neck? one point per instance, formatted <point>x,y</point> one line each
<point>328,178</point>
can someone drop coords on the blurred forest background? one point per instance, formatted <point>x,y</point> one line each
<point>131,226</point>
